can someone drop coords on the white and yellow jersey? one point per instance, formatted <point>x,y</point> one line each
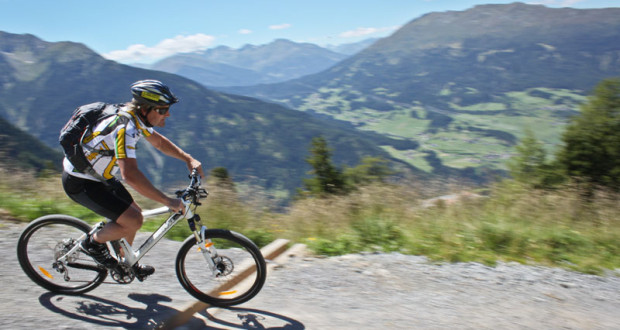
<point>118,133</point>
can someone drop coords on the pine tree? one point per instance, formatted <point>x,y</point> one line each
<point>222,178</point>
<point>591,150</point>
<point>328,179</point>
<point>525,166</point>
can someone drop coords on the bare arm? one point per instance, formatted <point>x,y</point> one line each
<point>137,180</point>
<point>166,146</point>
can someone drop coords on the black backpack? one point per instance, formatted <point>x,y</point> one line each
<point>81,124</point>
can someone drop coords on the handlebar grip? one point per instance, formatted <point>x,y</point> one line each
<point>194,178</point>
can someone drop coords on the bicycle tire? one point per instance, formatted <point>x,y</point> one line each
<point>242,262</point>
<point>43,241</point>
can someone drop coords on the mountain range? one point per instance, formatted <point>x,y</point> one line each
<point>21,150</point>
<point>448,94</point>
<point>465,84</point>
<point>41,83</point>
<point>277,61</point>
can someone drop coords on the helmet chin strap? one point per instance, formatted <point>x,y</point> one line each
<point>144,117</point>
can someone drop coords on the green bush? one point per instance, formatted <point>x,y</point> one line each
<point>259,236</point>
<point>497,237</point>
<point>343,244</point>
<point>513,222</point>
<point>376,234</point>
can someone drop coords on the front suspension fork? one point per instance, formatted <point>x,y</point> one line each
<point>205,245</point>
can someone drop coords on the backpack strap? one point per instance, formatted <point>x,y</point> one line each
<point>122,118</point>
<point>80,158</point>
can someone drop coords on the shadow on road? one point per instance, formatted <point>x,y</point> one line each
<point>104,312</point>
<point>107,313</point>
<point>244,318</point>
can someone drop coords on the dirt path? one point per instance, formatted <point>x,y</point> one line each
<point>349,292</point>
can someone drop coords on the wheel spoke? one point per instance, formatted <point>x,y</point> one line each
<point>240,270</point>
<point>47,239</point>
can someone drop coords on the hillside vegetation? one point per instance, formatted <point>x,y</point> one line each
<point>511,222</point>
<point>23,151</point>
<point>466,84</point>
<point>553,213</point>
<point>448,95</point>
<point>260,143</point>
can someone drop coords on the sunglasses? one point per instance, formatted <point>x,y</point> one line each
<point>162,111</point>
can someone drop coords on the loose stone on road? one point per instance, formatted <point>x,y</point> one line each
<point>349,292</point>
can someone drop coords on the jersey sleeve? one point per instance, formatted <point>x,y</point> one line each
<point>127,137</point>
<point>126,141</point>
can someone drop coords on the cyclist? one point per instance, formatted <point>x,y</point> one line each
<point>149,107</point>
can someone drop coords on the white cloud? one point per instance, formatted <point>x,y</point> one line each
<point>280,26</point>
<point>245,31</point>
<point>364,31</point>
<point>144,54</point>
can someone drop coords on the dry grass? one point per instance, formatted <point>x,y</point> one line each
<point>513,223</point>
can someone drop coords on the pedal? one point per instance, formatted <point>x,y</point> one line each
<point>122,275</point>
<point>141,272</point>
<point>141,278</point>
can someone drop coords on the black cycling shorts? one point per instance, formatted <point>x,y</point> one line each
<point>109,201</point>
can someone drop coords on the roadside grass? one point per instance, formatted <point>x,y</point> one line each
<point>513,223</point>
<point>27,197</point>
<point>510,223</point>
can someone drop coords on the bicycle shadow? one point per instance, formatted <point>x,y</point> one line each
<point>248,318</point>
<point>103,312</point>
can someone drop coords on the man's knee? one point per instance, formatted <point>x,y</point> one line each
<point>131,219</point>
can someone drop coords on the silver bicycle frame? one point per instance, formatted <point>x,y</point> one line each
<point>131,256</point>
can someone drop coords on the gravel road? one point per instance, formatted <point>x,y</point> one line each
<point>349,292</point>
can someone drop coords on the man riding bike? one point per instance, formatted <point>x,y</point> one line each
<point>149,107</point>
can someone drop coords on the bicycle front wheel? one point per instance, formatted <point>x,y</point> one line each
<point>240,274</point>
<point>47,239</point>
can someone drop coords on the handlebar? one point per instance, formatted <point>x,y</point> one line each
<point>193,192</point>
<point>194,179</point>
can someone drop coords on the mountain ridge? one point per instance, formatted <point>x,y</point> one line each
<point>260,143</point>
<point>465,80</point>
<point>276,61</point>
<point>449,93</point>
<point>23,151</point>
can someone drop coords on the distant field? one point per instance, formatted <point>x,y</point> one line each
<point>471,139</point>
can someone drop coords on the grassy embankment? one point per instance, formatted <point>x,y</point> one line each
<point>512,223</point>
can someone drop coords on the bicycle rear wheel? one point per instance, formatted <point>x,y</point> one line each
<point>240,262</point>
<point>48,238</point>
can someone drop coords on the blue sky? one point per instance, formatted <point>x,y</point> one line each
<point>131,31</point>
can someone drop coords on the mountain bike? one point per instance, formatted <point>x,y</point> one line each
<point>217,266</point>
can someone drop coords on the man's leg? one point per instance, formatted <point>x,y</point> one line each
<point>126,226</point>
